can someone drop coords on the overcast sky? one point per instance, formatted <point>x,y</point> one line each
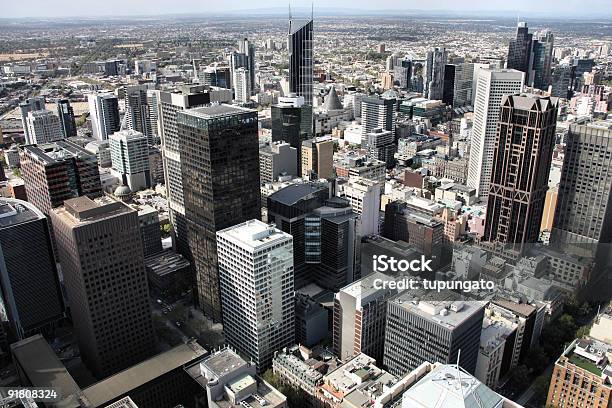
<point>92,8</point>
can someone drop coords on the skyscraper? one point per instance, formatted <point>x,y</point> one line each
<point>138,111</point>
<point>376,113</point>
<point>66,115</point>
<point>31,104</point>
<point>55,172</point>
<point>292,123</point>
<point>542,60</point>
<point>129,151</point>
<point>434,73</point>
<point>102,261</point>
<point>491,86</point>
<point>242,85</point>
<point>256,282</point>
<point>43,127</point>
<point>561,80</point>
<point>521,163</point>
<point>244,58</point>
<point>104,113</point>
<point>219,151</point>
<point>520,50</point>
<point>301,62</point>
<point>28,275</point>
<point>584,210</point>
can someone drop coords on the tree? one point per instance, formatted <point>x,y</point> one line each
<point>540,389</point>
<point>536,358</point>
<point>520,377</point>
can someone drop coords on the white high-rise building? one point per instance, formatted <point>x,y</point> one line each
<point>43,127</point>
<point>130,158</point>
<point>242,85</point>
<point>364,196</point>
<point>491,86</point>
<point>255,263</point>
<point>104,112</point>
<point>31,104</point>
<point>377,112</point>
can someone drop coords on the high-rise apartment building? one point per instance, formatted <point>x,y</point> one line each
<point>520,50</point>
<point>30,105</point>
<point>66,115</point>
<point>103,266</point>
<point>242,85</point>
<point>519,179</point>
<point>104,113</point>
<point>43,127</point>
<point>129,151</point>
<point>431,327</point>
<point>376,113</point>
<point>492,85</point>
<point>318,158</point>
<point>139,112</point>
<point>301,59</point>
<point>55,172</point>
<point>256,283</point>
<point>433,74</point>
<point>359,318</point>
<point>28,276</point>
<point>243,59</point>
<point>584,211</point>
<point>219,153</point>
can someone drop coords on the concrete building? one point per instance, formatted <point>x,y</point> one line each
<point>140,110</point>
<point>377,113</point>
<point>257,291</point>
<point>381,146</point>
<point>317,158</point>
<point>242,85</point>
<point>491,86</point>
<point>359,318</point>
<point>43,127</point>
<point>100,275</point>
<point>276,159</point>
<point>29,280</point>
<point>433,75</point>
<point>58,171</point>
<point>150,231</point>
<point>130,158</point>
<point>364,196</point>
<point>226,176</point>
<point>311,321</point>
<point>432,326</point>
<point>104,113</point>
<point>230,381</point>
<point>33,104</point>
<point>491,351</point>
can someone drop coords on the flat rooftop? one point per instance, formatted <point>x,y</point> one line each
<point>296,192</point>
<point>363,289</point>
<point>83,209</point>
<point>166,262</point>
<point>15,212</point>
<point>223,362</point>
<point>254,234</point>
<point>218,111</point>
<point>127,380</point>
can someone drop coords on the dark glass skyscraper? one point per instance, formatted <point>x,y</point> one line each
<point>542,60</point>
<point>220,173</point>
<point>520,50</point>
<point>66,116</point>
<point>519,179</point>
<point>301,58</point>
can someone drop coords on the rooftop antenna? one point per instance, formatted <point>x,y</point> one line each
<point>289,11</point>
<point>312,11</point>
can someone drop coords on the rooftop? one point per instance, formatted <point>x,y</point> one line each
<point>363,290</point>
<point>296,192</point>
<point>218,111</point>
<point>51,153</point>
<point>254,234</point>
<point>223,362</point>
<point>14,212</point>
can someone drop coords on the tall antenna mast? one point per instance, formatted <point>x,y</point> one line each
<point>312,11</point>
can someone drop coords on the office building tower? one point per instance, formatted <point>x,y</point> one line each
<point>242,85</point>
<point>433,78</point>
<point>381,146</point>
<point>292,123</point>
<point>402,72</point>
<point>30,105</point>
<point>276,159</point>
<point>43,127</point>
<point>331,245</point>
<point>584,211</point>
<point>256,283</point>
<point>138,111</point>
<point>102,261</point>
<point>104,113</point>
<point>352,101</point>
<point>580,378</point>
<point>542,60</point>
<point>130,158</point>
<point>170,104</point>
<point>364,196</point>
<point>288,208</point>
<point>519,179</point>
<point>492,85</point>
<point>520,51</point>
<point>58,171</point>
<point>144,67</point>
<point>150,231</point>
<point>462,84</point>
<point>360,311</point>
<point>301,59</point>
<point>448,89</point>
<point>247,48</point>
<point>424,326</point>
<point>28,276</point>
<point>318,158</point>
<point>561,80</point>
<point>376,113</point>
<point>220,167</point>
<point>66,116</point>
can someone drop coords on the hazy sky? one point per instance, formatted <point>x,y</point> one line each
<point>65,8</point>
